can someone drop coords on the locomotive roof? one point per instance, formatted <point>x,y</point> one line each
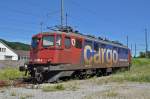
<point>88,38</point>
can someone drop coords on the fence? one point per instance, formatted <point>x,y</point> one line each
<point>10,63</point>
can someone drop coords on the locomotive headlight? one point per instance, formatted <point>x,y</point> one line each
<point>38,60</point>
<point>25,66</point>
<point>41,60</point>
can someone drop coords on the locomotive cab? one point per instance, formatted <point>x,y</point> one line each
<point>45,48</point>
<point>55,48</point>
<point>52,53</point>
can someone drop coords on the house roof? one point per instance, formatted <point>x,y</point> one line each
<point>18,52</point>
<point>7,46</point>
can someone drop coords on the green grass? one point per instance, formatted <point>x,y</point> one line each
<point>57,87</point>
<point>10,73</point>
<point>139,72</point>
<point>110,93</point>
<point>26,96</point>
<point>13,93</point>
<point>140,61</point>
<point>22,97</point>
<point>73,87</point>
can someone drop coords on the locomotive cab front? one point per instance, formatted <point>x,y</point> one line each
<point>45,48</point>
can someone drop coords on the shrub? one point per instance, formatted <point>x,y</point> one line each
<point>10,73</point>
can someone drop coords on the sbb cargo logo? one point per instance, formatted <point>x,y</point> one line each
<point>102,56</point>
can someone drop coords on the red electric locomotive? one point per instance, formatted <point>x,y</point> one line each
<point>64,52</point>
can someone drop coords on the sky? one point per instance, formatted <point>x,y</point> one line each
<point>113,19</point>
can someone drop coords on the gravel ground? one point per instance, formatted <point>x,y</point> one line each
<point>82,89</point>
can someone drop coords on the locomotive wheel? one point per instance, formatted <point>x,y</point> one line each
<point>39,77</point>
<point>106,71</point>
<point>98,73</point>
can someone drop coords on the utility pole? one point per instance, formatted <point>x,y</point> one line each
<point>127,40</point>
<point>41,24</point>
<point>62,12</point>
<point>146,44</point>
<point>135,51</point>
<point>131,49</point>
<point>66,19</point>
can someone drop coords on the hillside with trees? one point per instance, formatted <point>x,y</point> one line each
<point>17,45</point>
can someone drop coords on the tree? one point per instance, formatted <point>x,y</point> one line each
<point>142,55</point>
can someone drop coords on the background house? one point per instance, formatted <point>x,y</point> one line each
<point>23,55</point>
<point>12,57</point>
<point>6,53</point>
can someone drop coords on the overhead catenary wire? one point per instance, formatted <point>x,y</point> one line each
<point>36,4</point>
<point>24,13</point>
<point>35,16</point>
<point>23,23</point>
<point>20,29</point>
<point>74,2</point>
<point>30,14</point>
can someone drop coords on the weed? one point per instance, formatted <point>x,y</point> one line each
<point>2,91</point>
<point>25,96</point>
<point>10,73</point>
<point>57,87</point>
<point>13,93</point>
<point>139,72</point>
<point>73,87</point>
<point>110,93</point>
<point>29,95</point>
<point>22,97</point>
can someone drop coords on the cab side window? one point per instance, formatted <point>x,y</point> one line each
<point>78,43</point>
<point>67,42</point>
<point>96,46</point>
<point>58,40</point>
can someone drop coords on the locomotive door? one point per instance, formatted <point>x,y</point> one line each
<point>76,50</point>
<point>67,50</point>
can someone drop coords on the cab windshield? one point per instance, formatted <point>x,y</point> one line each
<point>34,43</point>
<point>48,41</point>
<point>51,40</point>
